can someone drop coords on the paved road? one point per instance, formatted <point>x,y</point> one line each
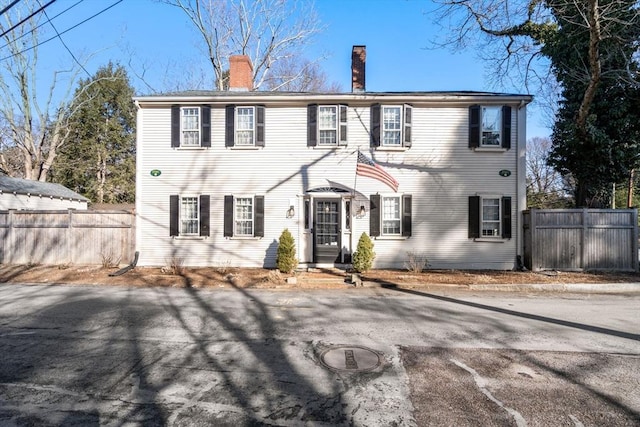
<point>76,355</point>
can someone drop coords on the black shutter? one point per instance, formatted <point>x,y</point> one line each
<point>406,215</point>
<point>258,224</point>
<point>375,125</point>
<point>228,216</point>
<point>408,120</point>
<point>342,130</point>
<point>204,215</point>
<point>229,125</point>
<point>205,126</point>
<point>474,126</point>
<point>260,126</point>
<point>174,215</point>
<point>312,125</point>
<point>175,126</point>
<point>374,215</point>
<point>506,127</point>
<point>474,217</point>
<point>506,217</point>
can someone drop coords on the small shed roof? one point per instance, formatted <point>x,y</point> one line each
<point>37,188</point>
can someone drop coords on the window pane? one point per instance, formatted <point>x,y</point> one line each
<point>327,122</point>
<point>391,215</point>
<point>191,126</point>
<point>491,217</point>
<point>244,216</point>
<point>491,123</point>
<point>391,125</point>
<point>189,215</point>
<point>244,125</point>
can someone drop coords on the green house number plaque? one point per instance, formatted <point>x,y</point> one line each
<point>503,172</point>
<point>155,172</point>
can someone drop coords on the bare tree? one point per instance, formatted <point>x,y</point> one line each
<point>268,31</point>
<point>36,124</point>
<point>299,75</point>
<point>546,188</point>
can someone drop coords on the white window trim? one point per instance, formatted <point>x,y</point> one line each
<point>336,128</point>
<point>236,235</point>
<point>180,219</point>
<point>483,146</point>
<point>236,129</point>
<point>497,237</point>
<point>384,146</point>
<point>383,236</point>
<point>183,130</point>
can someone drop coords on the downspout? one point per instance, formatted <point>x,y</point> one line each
<point>521,180</point>
<point>139,153</point>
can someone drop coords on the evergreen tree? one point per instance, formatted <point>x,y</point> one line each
<point>286,259</point>
<point>364,255</point>
<point>98,161</point>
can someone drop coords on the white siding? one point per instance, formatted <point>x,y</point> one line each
<point>35,202</point>
<point>439,171</point>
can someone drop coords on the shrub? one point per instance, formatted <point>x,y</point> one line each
<point>416,262</point>
<point>286,260</point>
<point>364,255</point>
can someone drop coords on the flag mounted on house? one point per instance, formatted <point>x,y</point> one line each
<point>367,167</point>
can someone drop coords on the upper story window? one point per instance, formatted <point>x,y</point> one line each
<point>244,126</point>
<point>190,126</point>
<point>326,125</point>
<point>489,217</point>
<point>489,126</point>
<point>243,216</point>
<point>390,215</point>
<point>391,125</point>
<point>189,215</point>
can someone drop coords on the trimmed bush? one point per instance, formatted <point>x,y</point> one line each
<point>286,260</point>
<point>364,255</point>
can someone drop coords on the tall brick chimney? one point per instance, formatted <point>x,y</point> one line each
<point>358,58</point>
<point>240,73</point>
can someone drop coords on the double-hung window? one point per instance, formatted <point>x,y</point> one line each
<point>391,126</point>
<point>489,217</point>
<point>390,215</point>
<point>190,126</point>
<point>327,125</point>
<point>189,215</point>
<point>490,126</point>
<point>243,216</point>
<point>244,126</point>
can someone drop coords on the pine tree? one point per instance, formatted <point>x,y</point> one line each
<point>364,255</point>
<point>286,260</point>
<point>98,160</point>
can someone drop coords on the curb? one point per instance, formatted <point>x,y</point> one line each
<point>609,288</point>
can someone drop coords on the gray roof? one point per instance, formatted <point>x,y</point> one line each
<point>37,188</point>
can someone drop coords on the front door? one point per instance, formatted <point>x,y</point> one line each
<point>326,231</point>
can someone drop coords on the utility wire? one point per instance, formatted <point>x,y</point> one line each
<point>34,29</point>
<point>28,17</point>
<point>65,31</point>
<point>64,44</point>
<point>3,11</point>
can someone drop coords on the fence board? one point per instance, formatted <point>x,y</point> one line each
<point>581,239</point>
<point>66,237</point>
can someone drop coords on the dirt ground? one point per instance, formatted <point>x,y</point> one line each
<point>264,278</point>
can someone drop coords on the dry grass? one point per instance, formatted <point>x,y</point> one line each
<point>264,278</point>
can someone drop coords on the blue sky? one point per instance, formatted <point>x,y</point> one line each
<point>397,34</point>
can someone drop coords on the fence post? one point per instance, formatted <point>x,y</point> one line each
<point>70,240</point>
<point>635,239</point>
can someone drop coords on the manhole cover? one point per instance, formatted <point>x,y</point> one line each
<point>350,359</point>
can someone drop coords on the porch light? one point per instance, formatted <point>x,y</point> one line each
<point>291,212</point>
<point>362,211</point>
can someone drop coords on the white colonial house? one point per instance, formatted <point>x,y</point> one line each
<point>220,175</point>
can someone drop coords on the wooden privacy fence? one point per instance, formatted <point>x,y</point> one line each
<point>581,239</point>
<point>66,237</point>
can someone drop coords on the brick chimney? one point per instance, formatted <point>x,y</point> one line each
<point>240,73</point>
<point>358,58</point>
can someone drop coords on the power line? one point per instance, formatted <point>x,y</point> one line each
<point>28,17</point>
<point>65,31</point>
<point>40,25</point>
<point>3,11</point>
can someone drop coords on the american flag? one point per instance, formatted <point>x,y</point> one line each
<point>367,167</point>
